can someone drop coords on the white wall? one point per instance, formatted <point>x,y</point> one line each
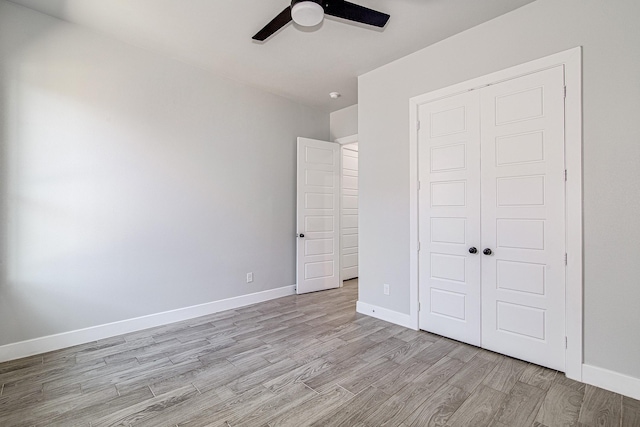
<point>344,122</point>
<point>609,33</point>
<point>133,184</point>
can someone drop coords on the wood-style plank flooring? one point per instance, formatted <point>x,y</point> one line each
<point>305,360</point>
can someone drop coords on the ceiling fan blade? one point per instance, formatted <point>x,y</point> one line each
<point>276,23</point>
<point>353,12</point>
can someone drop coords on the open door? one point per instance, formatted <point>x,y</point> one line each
<point>318,216</point>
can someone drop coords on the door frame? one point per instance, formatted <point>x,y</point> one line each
<point>572,61</point>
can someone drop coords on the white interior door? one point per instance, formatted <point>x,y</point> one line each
<point>449,206</point>
<point>349,221</point>
<point>492,179</point>
<point>523,184</point>
<point>318,219</point>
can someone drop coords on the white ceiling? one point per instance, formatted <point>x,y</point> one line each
<point>297,63</point>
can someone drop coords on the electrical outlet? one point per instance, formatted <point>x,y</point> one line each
<point>249,277</point>
<point>386,289</point>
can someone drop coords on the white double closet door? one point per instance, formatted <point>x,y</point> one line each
<point>492,217</point>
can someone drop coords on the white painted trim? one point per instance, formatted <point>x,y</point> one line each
<point>572,61</point>
<point>340,210</point>
<point>414,219</point>
<point>82,336</point>
<point>385,314</point>
<point>612,381</point>
<point>573,205</point>
<point>347,139</point>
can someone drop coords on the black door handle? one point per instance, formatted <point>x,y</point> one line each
<point>300,235</point>
<point>473,250</point>
<point>487,251</point>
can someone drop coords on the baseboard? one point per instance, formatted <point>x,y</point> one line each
<point>384,314</point>
<point>82,336</point>
<point>612,381</point>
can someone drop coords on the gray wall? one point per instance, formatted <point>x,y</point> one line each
<point>609,33</point>
<point>133,184</point>
<point>344,122</point>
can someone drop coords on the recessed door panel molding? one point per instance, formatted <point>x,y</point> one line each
<point>318,216</point>
<point>350,241</point>
<point>319,156</point>
<point>448,122</point>
<point>350,163</point>
<point>319,178</point>
<point>449,230</point>
<point>349,182</point>
<point>520,191</point>
<point>350,201</point>
<point>448,193</point>
<point>520,148</point>
<point>319,201</point>
<point>319,270</point>
<point>350,260</point>
<point>449,202</point>
<point>449,157</point>
<point>491,217</point>
<point>319,224</point>
<point>520,105</point>
<point>350,221</point>
<point>448,304</point>
<point>448,267</point>
<point>319,247</point>
<point>524,321</point>
<point>519,234</point>
<point>521,276</point>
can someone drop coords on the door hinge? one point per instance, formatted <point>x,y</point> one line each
<point>565,175</point>
<point>566,261</point>
<point>418,246</point>
<point>419,185</point>
<point>418,125</point>
<point>419,306</point>
<point>565,91</point>
<point>566,343</point>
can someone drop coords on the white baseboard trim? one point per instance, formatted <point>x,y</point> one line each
<point>612,381</point>
<point>94,333</point>
<point>384,314</point>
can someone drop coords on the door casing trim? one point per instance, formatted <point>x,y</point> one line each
<point>572,61</point>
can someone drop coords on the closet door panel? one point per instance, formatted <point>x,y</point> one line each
<point>449,208</point>
<point>523,279</point>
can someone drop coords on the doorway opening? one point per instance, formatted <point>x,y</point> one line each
<point>349,212</point>
<point>570,64</point>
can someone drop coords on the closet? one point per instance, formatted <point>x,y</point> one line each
<point>491,211</point>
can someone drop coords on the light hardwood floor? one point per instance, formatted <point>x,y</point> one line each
<point>305,360</point>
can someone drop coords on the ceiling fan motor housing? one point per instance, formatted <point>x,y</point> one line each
<point>307,13</point>
<point>294,2</point>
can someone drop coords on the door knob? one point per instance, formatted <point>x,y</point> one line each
<point>487,251</point>
<point>300,235</point>
<point>473,250</point>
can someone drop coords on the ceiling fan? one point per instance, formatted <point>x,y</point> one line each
<point>311,12</point>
